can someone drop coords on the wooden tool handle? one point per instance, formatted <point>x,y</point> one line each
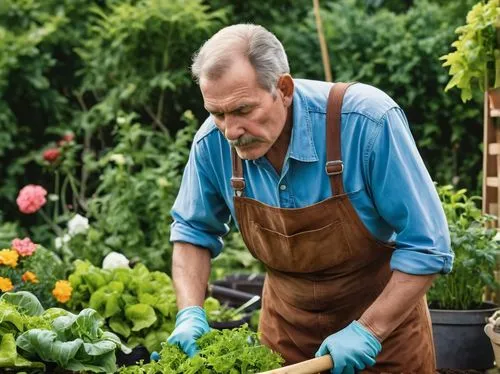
<point>313,366</point>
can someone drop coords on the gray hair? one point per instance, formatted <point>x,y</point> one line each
<point>262,48</point>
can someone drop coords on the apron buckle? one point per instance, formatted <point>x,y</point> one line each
<point>238,184</point>
<point>334,167</point>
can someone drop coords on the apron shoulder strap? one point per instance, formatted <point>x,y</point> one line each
<point>334,166</point>
<point>237,180</point>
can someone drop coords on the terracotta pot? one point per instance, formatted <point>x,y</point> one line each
<point>495,341</point>
<point>494,98</point>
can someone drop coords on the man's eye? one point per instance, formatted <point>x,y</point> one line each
<point>244,110</point>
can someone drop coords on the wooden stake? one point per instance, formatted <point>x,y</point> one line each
<point>322,42</point>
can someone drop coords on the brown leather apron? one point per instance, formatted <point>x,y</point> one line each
<point>324,269</point>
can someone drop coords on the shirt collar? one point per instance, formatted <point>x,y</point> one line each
<point>302,143</point>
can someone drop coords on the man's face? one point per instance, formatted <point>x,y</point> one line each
<point>248,116</point>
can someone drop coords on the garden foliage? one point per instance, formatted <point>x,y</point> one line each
<point>29,334</point>
<point>221,351</point>
<point>97,105</point>
<point>475,252</point>
<point>136,304</point>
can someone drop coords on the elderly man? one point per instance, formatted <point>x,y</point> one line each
<point>329,191</point>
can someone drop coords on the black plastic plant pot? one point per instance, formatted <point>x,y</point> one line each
<point>460,340</point>
<point>231,297</point>
<point>250,283</point>
<point>230,324</point>
<point>138,353</point>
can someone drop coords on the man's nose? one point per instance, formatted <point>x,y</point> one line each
<point>232,128</point>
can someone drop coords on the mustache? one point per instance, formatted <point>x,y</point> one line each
<point>244,140</point>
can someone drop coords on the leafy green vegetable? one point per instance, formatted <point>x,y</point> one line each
<point>221,351</point>
<point>25,302</point>
<point>74,342</point>
<point>142,315</point>
<point>137,304</point>
<point>9,356</point>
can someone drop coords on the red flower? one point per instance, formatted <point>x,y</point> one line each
<point>51,154</point>
<point>31,198</point>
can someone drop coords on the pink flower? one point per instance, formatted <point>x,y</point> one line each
<point>66,138</point>
<point>24,247</point>
<point>51,154</point>
<point>31,198</point>
<point>69,136</point>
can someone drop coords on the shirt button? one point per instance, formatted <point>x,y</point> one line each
<point>283,187</point>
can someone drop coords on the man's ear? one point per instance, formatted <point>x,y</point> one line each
<point>286,86</point>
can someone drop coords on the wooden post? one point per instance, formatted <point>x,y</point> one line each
<point>322,42</point>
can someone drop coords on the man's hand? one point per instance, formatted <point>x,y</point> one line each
<point>190,324</point>
<point>352,349</point>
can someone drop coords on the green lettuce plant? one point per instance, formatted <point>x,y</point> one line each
<point>18,312</point>
<point>475,253</point>
<point>136,304</point>
<point>31,336</point>
<point>476,57</point>
<point>74,342</point>
<point>221,351</point>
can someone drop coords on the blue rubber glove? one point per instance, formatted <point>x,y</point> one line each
<point>190,324</point>
<point>352,349</point>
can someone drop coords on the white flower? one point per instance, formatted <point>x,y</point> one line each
<point>115,260</point>
<point>118,158</point>
<point>60,241</point>
<point>78,225</point>
<point>497,237</point>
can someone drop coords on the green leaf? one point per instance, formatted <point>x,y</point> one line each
<point>141,315</point>
<point>25,302</point>
<point>99,348</point>
<point>153,340</point>
<point>8,352</point>
<point>87,325</point>
<point>104,363</point>
<point>120,326</point>
<point>9,316</point>
<point>44,344</point>
<point>10,358</point>
<point>115,339</point>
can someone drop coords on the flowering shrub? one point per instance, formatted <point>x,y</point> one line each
<point>26,266</point>
<point>8,257</point>
<point>6,284</point>
<point>51,154</point>
<point>24,247</point>
<point>78,225</point>
<point>31,198</point>
<point>62,291</point>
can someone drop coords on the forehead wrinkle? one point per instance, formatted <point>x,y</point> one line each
<point>238,98</point>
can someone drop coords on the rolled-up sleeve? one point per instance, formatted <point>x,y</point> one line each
<point>200,214</point>
<point>407,200</point>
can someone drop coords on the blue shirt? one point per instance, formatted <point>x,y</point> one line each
<point>384,176</point>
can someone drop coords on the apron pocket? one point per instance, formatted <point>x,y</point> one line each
<point>302,252</point>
